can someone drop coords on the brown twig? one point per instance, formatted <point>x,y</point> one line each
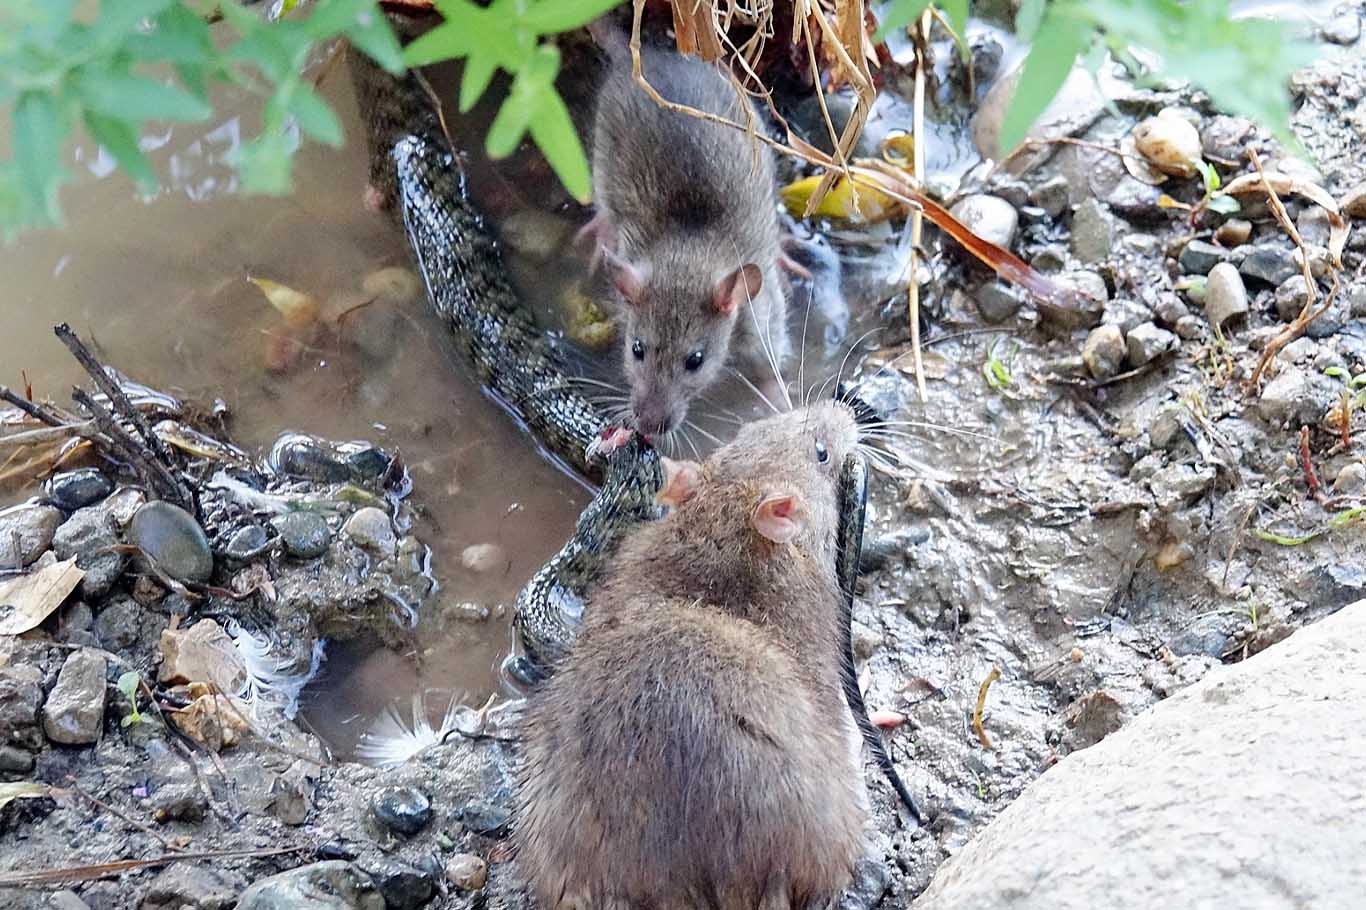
<point>1287,335</point>
<point>115,437</point>
<point>71,787</point>
<point>1311,477</point>
<point>994,675</point>
<point>105,870</point>
<point>32,409</point>
<point>918,214</point>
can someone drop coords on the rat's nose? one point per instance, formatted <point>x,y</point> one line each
<point>653,420</point>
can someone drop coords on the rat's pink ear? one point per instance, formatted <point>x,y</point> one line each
<point>737,288</point>
<point>680,481</point>
<point>780,516</point>
<point>629,279</point>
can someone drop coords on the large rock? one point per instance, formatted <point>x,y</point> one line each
<point>75,707</point>
<point>331,885</point>
<point>1247,783</point>
<point>34,526</point>
<point>21,695</point>
<point>90,535</point>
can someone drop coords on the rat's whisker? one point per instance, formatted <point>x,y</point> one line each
<point>693,426</point>
<point>839,374</point>
<point>755,389</point>
<point>927,425</point>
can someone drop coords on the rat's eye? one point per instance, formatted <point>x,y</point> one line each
<point>821,454</point>
<point>694,361</point>
<point>637,350</point>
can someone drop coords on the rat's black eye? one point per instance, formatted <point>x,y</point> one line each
<point>694,361</point>
<point>637,350</point>
<point>821,454</point>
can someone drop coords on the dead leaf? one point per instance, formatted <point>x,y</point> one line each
<point>212,720</point>
<point>1137,166</point>
<point>868,206</point>
<point>695,30</point>
<point>899,359</point>
<point>1284,184</point>
<point>201,653</point>
<point>300,310</point>
<point>23,789</point>
<point>28,600</point>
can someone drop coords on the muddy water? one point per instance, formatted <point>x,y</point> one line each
<point>160,285</point>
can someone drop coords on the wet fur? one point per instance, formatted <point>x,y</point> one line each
<point>695,751</point>
<point>688,202</point>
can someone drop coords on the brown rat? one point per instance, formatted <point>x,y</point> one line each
<point>694,749</point>
<point>687,220</point>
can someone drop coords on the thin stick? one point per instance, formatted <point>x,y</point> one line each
<point>994,675</point>
<point>917,215</point>
<point>36,411</point>
<point>144,828</point>
<point>105,870</point>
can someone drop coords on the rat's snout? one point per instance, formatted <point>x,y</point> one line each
<point>655,417</point>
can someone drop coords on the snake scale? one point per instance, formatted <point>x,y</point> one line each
<point>420,180</point>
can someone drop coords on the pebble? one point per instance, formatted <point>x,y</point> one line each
<point>183,802</point>
<point>72,490</point>
<point>1092,232</point>
<point>370,529</point>
<point>1354,202</point>
<point>403,809</point>
<point>1127,313</point>
<point>1271,263</point>
<point>1051,195</point>
<point>1147,342</point>
<point>1291,296</point>
<point>485,818</point>
<point>467,871</point>
<point>1104,351</point>
<point>87,535</point>
<point>1091,305</point>
<point>35,526</point>
<point>392,286</point>
<point>74,712</point>
<point>1189,327</point>
<point>1344,28</point>
<point>1166,426</point>
<point>329,885</point>
<point>1295,398</point>
<point>996,302</point>
<point>870,884</point>
<point>173,539</point>
<point>21,695</point>
<point>1233,232</point>
<point>183,886</point>
<point>1320,260</point>
<point>1169,142</point>
<point>1313,226</point>
<point>1299,349</point>
<point>1329,322</point>
<point>1170,308</point>
<point>1351,480</point>
<point>1178,484</point>
<point>1224,137</point>
<point>866,641</point>
<point>117,626</point>
<point>403,887</point>
<point>305,534</point>
<point>483,557</point>
<point>1356,300</point>
<point>1049,258</point>
<point>1225,295</point>
<point>14,760</point>
<point>66,900</point>
<point>245,541</point>
<point>1199,257</point>
<point>989,217</point>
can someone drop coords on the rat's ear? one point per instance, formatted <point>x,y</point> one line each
<point>629,279</point>
<point>680,481</point>
<point>780,516</point>
<point>737,288</point>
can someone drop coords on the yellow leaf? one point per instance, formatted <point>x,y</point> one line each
<point>899,149</point>
<point>1166,202</point>
<point>871,205</point>
<point>23,789</point>
<point>29,599</point>
<point>299,310</point>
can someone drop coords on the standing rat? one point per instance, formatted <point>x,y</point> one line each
<point>694,748</point>
<point>687,228</point>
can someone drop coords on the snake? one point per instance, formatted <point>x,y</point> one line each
<point>419,178</point>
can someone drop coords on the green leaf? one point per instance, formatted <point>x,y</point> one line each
<point>120,139</point>
<point>128,684</point>
<point>1027,19</point>
<point>39,133</point>
<point>179,36</point>
<point>898,14</point>
<point>362,22</point>
<point>1210,175</point>
<point>1056,45</point>
<point>956,11</point>
<point>510,125</point>
<point>1338,373</point>
<point>554,133</point>
<point>550,17</point>
<point>479,70</point>
<point>129,97</point>
<point>314,116</point>
<point>1223,204</point>
<point>119,17</point>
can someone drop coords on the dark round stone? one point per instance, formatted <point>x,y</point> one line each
<point>72,490</point>
<point>246,541</point>
<point>404,809</point>
<point>485,818</point>
<point>404,887</point>
<point>368,463</point>
<point>305,534</point>
<point>173,539</point>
